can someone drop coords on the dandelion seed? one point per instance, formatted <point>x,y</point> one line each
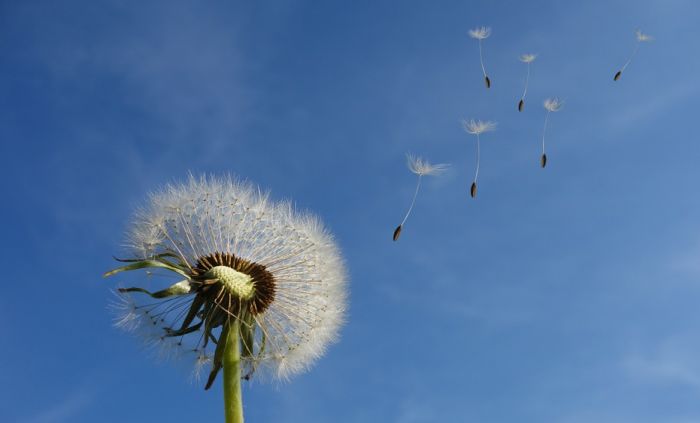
<point>482,34</point>
<point>641,38</point>
<point>527,59</point>
<point>477,127</point>
<point>421,168</point>
<point>263,288</point>
<point>551,105</point>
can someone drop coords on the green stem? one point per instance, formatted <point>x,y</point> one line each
<point>233,404</point>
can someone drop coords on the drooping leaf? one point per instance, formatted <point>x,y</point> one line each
<point>179,288</point>
<point>143,264</point>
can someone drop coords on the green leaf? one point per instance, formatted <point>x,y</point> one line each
<point>143,264</point>
<point>217,362</point>
<point>180,288</point>
<point>247,335</point>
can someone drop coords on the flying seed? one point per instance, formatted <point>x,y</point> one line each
<point>397,232</point>
<point>527,59</point>
<point>421,168</point>
<point>481,34</point>
<point>477,127</point>
<point>551,105</point>
<point>641,38</point>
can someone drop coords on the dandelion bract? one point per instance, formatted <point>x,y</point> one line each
<point>421,168</point>
<point>260,284</point>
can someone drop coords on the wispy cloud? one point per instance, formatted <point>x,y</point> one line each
<point>687,261</point>
<point>415,410</point>
<point>653,107</point>
<point>64,410</point>
<point>673,362</point>
<point>178,69</point>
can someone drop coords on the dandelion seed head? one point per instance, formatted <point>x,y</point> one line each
<point>477,127</point>
<point>480,33</point>
<point>240,251</point>
<point>642,37</point>
<point>528,58</point>
<point>422,167</point>
<point>553,104</point>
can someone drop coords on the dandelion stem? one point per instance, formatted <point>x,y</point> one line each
<point>544,129</point>
<point>636,47</point>
<point>233,404</point>
<point>481,59</point>
<point>415,194</point>
<point>527,80</point>
<point>478,158</point>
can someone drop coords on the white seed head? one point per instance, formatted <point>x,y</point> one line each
<point>553,104</point>
<point>480,33</point>
<point>422,167</point>
<point>528,58</point>
<point>642,37</point>
<point>210,215</point>
<point>477,127</point>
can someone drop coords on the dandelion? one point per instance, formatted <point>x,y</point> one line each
<point>481,34</point>
<point>261,290</point>
<point>421,168</point>
<point>551,105</point>
<point>527,59</point>
<point>641,38</point>
<point>477,127</point>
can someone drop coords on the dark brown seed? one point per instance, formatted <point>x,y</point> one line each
<point>543,161</point>
<point>617,75</point>
<point>473,190</point>
<point>521,104</point>
<point>487,81</point>
<point>397,232</point>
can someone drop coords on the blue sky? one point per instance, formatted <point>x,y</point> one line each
<point>560,295</point>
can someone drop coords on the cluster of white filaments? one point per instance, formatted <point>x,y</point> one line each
<point>206,216</point>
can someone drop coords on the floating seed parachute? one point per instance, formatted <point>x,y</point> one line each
<point>527,59</point>
<point>641,38</point>
<point>482,34</point>
<point>421,168</point>
<point>551,105</point>
<point>477,127</point>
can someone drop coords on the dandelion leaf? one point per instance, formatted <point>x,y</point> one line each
<point>180,288</point>
<point>144,264</point>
